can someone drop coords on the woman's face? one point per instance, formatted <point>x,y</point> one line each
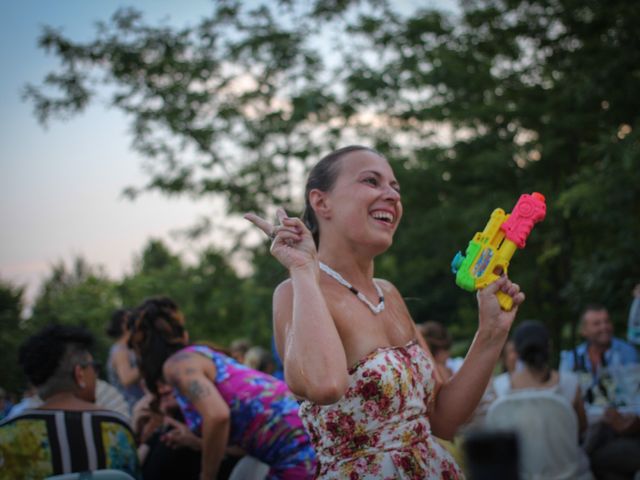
<point>88,379</point>
<point>365,203</point>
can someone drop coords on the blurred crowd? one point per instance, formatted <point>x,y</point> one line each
<point>68,389</point>
<point>153,410</point>
<point>579,419</point>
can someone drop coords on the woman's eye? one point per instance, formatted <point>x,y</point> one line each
<point>371,181</point>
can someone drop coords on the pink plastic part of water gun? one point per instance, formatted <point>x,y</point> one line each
<point>529,210</point>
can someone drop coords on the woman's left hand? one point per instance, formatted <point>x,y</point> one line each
<point>180,436</point>
<point>493,319</point>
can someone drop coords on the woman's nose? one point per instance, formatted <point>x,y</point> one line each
<point>392,194</point>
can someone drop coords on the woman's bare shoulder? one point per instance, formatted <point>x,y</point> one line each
<point>284,288</point>
<point>386,285</point>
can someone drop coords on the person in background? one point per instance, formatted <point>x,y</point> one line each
<point>613,437</point>
<point>224,402</point>
<point>439,341</point>
<point>509,364</point>
<point>614,447</point>
<point>260,359</point>
<point>107,397</point>
<point>239,348</point>
<point>122,371</point>
<point>68,432</point>
<point>5,404</point>
<point>598,359</point>
<point>110,398</point>
<point>532,343</point>
<point>509,357</point>
<point>171,450</point>
<point>30,399</point>
<point>146,417</point>
<point>633,322</point>
<point>600,348</point>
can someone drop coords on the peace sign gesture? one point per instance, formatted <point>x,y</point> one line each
<point>292,243</point>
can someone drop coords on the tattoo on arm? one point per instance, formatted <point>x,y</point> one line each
<point>180,356</point>
<point>196,391</point>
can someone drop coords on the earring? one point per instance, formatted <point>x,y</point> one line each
<point>82,384</point>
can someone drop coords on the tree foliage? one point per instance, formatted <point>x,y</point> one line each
<point>474,108</point>
<point>219,305</point>
<point>11,334</point>
<point>81,294</point>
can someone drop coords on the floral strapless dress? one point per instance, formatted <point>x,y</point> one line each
<point>380,428</point>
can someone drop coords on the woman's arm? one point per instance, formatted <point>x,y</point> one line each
<point>578,406</point>
<point>127,375</point>
<point>179,436</point>
<point>315,363</point>
<point>193,376</point>
<point>458,398</point>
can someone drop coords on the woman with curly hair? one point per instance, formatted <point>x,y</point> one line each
<point>223,401</point>
<point>68,432</point>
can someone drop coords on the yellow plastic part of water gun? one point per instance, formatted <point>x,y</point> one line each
<point>490,251</point>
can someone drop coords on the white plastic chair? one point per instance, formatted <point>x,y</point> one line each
<point>104,474</point>
<point>547,428</point>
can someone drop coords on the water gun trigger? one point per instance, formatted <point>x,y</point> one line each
<point>505,301</point>
<point>498,270</point>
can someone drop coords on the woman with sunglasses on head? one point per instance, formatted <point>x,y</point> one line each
<point>372,396</point>
<point>224,402</point>
<point>68,432</point>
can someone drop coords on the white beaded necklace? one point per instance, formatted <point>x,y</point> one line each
<point>376,309</point>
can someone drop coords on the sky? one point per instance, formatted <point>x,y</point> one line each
<point>61,187</point>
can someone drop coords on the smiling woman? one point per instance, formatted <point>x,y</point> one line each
<point>371,394</point>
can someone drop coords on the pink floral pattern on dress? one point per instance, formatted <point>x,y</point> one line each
<point>380,428</point>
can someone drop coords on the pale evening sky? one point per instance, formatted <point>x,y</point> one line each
<point>60,187</point>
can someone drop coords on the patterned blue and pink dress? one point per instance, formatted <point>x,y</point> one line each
<point>264,417</point>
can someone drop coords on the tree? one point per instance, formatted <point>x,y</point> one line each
<point>209,292</point>
<point>78,295</point>
<point>11,328</point>
<point>473,109</point>
<point>538,92</point>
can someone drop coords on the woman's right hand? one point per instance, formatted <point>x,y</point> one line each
<point>292,243</point>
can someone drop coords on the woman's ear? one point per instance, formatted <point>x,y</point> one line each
<point>320,203</point>
<point>79,374</point>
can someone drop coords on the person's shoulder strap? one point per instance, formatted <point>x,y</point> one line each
<point>202,349</point>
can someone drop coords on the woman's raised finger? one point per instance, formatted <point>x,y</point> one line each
<point>260,222</point>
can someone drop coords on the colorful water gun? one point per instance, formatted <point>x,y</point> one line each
<point>490,251</point>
